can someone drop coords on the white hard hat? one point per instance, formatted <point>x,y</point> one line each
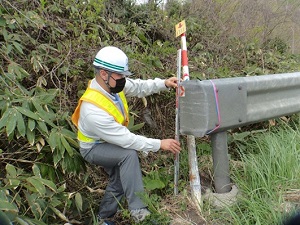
<point>112,59</point>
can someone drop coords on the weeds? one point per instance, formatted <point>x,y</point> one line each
<point>268,173</point>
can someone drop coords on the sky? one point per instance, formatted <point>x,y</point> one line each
<point>144,1</point>
<point>140,1</point>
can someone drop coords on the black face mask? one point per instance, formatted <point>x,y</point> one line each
<point>120,84</point>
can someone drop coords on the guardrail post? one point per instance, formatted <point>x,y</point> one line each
<point>220,162</point>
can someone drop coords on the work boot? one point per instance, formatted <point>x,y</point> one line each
<point>139,214</point>
<point>104,222</point>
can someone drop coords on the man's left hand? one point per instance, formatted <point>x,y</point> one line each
<point>172,82</point>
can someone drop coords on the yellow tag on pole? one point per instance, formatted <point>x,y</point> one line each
<point>180,28</point>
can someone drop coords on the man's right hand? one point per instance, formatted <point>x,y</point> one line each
<point>170,145</point>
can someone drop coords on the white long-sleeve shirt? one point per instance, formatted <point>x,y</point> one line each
<point>100,125</point>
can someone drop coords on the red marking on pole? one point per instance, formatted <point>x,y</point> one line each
<point>185,75</point>
<point>184,58</point>
<point>182,91</point>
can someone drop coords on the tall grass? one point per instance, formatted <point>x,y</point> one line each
<point>271,167</point>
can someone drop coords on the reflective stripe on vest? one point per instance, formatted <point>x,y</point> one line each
<point>103,102</point>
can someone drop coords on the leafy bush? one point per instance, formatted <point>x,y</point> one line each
<point>30,199</point>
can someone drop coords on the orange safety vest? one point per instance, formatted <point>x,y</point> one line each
<point>103,102</point>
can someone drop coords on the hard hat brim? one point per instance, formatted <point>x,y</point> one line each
<point>125,73</point>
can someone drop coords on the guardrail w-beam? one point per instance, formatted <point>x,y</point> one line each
<point>211,107</point>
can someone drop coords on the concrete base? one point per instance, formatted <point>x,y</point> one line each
<point>222,200</point>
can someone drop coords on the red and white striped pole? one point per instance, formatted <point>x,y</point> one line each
<point>182,61</point>
<point>184,58</point>
<point>193,163</point>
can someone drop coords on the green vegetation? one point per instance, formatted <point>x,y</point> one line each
<point>46,50</point>
<point>268,178</point>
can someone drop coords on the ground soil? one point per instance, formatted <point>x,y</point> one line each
<point>180,208</point>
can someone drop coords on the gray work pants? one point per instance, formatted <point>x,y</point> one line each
<point>125,177</point>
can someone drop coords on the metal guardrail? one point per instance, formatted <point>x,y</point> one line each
<point>211,107</point>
